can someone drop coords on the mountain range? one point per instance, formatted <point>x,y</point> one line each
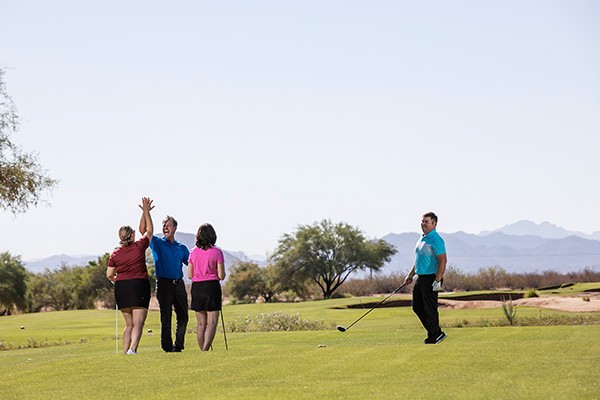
<point>545,230</point>
<point>514,253</point>
<point>520,247</point>
<point>188,239</point>
<point>523,246</point>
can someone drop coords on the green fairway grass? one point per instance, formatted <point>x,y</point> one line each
<point>576,288</point>
<point>380,357</point>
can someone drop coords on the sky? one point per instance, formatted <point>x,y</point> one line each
<point>260,116</point>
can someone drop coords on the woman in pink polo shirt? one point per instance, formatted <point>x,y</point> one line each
<point>206,267</point>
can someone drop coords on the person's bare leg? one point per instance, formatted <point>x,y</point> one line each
<point>211,329</point>
<point>127,314</point>
<point>200,327</point>
<point>139,318</point>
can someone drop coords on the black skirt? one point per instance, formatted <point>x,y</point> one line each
<point>132,293</point>
<point>206,296</point>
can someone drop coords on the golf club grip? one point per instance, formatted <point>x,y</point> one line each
<point>378,304</point>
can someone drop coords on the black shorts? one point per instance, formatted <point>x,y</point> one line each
<point>206,296</point>
<point>132,293</point>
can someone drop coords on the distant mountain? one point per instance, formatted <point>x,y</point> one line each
<point>58,261</point>
<point>544,230</point>
<point>520,247</point>
<point>514,253</point>
<point>259,260</point>
<point>188,239</point>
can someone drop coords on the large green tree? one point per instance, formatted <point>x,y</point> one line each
<point>13,284</point>
<point>329,253</point>
<point>22,179</point>
<point>94,287</point>
<point>67,288</point>
<point>246,282</point>
<point>55,289</point>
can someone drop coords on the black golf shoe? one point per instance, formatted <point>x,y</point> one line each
<point>436,340</point>
<point>441,337</point>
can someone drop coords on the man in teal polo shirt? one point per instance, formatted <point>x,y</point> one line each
<point>169,257</point>
<point>430,264</point>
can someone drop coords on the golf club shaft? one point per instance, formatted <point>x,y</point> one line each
<point>116,329</point>
<point>378,304</point>
<point>224,334</point>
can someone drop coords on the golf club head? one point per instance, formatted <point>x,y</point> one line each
<point>341,328</point>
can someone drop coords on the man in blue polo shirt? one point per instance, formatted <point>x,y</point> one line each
<point>430,265</point>
<point>169,255</point>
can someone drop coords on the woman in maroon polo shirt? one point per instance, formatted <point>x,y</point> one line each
<point>127,270</point>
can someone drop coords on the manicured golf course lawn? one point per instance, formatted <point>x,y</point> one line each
<point>381,357</point>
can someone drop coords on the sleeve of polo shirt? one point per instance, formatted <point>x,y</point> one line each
<point>156,247</point>
<point>439,247</point>
<point>144,242</point>
<point>186,254</point>
<point>111,261</point>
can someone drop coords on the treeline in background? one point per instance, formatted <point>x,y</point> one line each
<point>86,287</point>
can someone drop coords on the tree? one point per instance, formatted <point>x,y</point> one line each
<point>56,289</point>
<point>13,284</point>
<point>328,254</point>
<point>288,282</point>
<point>94,286</point>
<point>492,277</point>
<point>39,292</point>
<point>61,287</point>
<point>67,288</point>
<point>22,179</point>
<point>272,282</point>
<point>151,269</point>
<point>246,282</point>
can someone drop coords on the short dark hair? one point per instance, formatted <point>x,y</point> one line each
<point>167,218</point>
<point>432,216</point>
<point>206,236</point>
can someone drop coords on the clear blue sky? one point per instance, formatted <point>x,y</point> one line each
<point>257,116</point>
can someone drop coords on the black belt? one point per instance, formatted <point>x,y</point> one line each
<point>173,281</point>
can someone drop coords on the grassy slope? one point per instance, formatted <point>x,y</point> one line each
<point>382,356</point>
<point>576,289</point>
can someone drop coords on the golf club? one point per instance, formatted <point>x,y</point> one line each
<point>342,329</point>
<point>224,334</point>
<point>116,329</point>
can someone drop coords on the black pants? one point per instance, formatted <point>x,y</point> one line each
<point>172,295</point>
<point>425,305</point>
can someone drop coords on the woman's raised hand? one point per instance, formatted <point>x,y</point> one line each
<point>146,204</point>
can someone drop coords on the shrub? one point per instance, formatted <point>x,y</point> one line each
<point>35,344</point>
<point>460,324</point>
<point>592,319</point>
<point>531,293</point>
<point>550,320</point>
<point>337,295</point>
<point>373,285</point>
<point>276,321</point>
